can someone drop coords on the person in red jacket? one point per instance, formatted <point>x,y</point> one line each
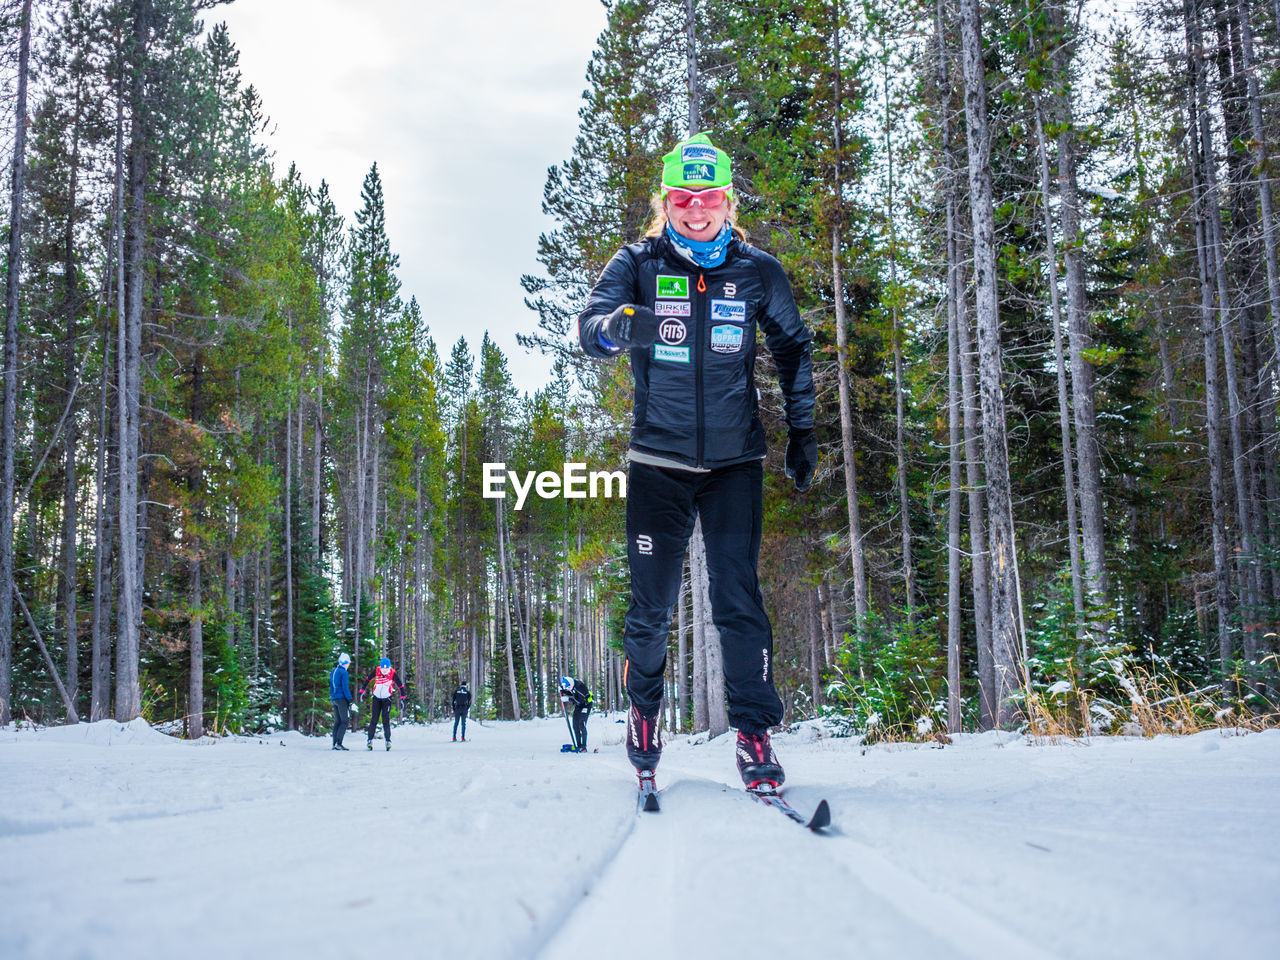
<point>382,683</point>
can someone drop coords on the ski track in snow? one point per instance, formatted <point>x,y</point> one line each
<point>120,842</point>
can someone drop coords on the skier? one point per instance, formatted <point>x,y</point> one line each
<point>383,681</point>
<point>575,692</point>
<point>461,704</point>
<point>686,300</point>
<point>340,694</point>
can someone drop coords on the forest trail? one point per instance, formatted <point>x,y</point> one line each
<point>124,842</point>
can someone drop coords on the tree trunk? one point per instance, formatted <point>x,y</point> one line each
<point>128,682</point>
<point>861,603</point>
<point>1006,637</point>
<point>899,393</point>
<point>955,632</point>
<point>290,707</point>
<point>505,597</point>
<point>691,57</point>
<point>682,655</point>
<point>1064,403</point>
<point>1083,388</point>
<point>1208,327</point>
<point>195,703</point>
<point>1261,168</point>
<point>704,624</point>
<point>70,515</point>
<point>815,641</point>
<point>13,280</point>
<point>100,675</point>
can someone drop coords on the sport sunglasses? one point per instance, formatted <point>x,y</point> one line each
<point>710,197</point>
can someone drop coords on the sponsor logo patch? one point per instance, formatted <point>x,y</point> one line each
<point>673,287</point>
<point>662,351</point>
<point>726,339</point>
<point>644,544</point>
<point>735,310</point>
<point>672,331</point>
<point>730,289</point>
<point>698,152</point>
<point>665,308</point>
<point>699,172</point>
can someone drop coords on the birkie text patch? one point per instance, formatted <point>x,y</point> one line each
<point>666,308</point>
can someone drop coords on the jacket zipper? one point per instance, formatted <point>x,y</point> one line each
<point>697,359</point>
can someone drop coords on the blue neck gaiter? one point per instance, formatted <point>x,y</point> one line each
<point>704,253</point>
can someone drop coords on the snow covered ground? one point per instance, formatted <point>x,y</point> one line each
<point>119,842</point>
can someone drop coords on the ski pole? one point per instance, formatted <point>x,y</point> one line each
<point>572,736</point>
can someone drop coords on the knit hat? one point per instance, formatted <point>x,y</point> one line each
<point>384,662</point>
<point>344,660</point>
<point>565,683</point>
<point>697,162</point>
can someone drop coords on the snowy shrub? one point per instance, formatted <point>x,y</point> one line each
<point>890,686</point>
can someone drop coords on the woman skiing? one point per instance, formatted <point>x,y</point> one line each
<point>686,300</point>
<point>382,682</point>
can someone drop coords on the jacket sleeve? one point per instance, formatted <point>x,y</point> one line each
<point>788,340</point>
<point>615,286</point>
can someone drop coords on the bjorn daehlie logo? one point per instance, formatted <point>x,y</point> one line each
<point>672,331</point>
<point>644,545</point>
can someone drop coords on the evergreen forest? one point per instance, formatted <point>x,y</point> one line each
<point>1036,244</point>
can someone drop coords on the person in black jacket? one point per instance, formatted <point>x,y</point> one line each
<point>575,691</point>
<point>461,704</point>
<point>686,301</point>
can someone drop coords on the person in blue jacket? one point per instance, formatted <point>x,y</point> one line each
<point>685,303</point>
<point>340,694</point>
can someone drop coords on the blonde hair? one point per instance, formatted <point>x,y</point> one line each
<point>658,218</point>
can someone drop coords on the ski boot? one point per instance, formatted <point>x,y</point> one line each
<point>368,745</point>
<point>757,763</point>
<point>644,740</point>
<point>455,739</point>
<point>388,744</point>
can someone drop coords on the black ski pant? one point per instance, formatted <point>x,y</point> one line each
<point>381,706</point>
<point>662,504</point>
<point>463,717</point>
<point>341,720</point>
<point>580,715</point>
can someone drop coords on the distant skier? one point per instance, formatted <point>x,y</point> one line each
<point>382,682</point>
<point>575,692</point>
<point>461,704</point>
<point>686,302</point>
<point>340,694</point>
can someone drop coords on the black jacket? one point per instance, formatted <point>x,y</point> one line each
<point>461,700</point>
<point>695,399</point>
<point>577,694</point>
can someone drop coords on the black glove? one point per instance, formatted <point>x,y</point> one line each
<point>631,326</point>
<point>802,456</point>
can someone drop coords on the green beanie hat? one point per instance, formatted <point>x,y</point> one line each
<point>696,162</point>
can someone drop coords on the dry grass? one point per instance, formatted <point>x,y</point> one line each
<point>1156,705</point>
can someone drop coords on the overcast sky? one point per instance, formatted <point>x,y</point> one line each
<point>463,106</point>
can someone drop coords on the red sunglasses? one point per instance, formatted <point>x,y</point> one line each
<point>710,197</point>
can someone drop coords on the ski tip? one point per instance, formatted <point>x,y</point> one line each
<point>651,803</point>
<point>821,817</point>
